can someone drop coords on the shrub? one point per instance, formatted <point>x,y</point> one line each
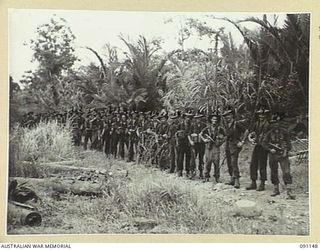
<point>44,143</point>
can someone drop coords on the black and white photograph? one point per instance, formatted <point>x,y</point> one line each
<point>136,122</point>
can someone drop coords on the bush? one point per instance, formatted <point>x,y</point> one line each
<point>44,143</point>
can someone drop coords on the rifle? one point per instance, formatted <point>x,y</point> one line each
<point>276,147</point>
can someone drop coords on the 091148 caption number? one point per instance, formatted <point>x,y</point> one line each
<point>308,246</point>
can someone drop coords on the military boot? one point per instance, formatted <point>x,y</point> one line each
<point>275,191</point>
<point>179,173</point>
<point>217,179</point>
<point>188,174</point>
<point>193,175</point>
<point>261,186</point>
<point>206,179</point>
<point>252,186</point>
<point>290,196</point>
<point>236,183</point>
<point>201,175</point>
<point>231,182</point>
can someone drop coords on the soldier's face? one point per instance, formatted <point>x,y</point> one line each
<point>228,118</point>
<point>262,117</point>
<point>214,120</point>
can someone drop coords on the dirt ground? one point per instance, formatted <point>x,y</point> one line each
<point>212,212</point>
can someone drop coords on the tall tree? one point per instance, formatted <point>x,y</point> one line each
<point>54,52</point>
<point>15,94</point>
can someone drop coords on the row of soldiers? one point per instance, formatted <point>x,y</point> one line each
<point>190,141</point>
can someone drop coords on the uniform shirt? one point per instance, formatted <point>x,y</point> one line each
<point>95,124</point>
<point>132,128</point>
<point>122,127</point>
<point>216,133</point>
<point>162,128</point>
<point>234,132</point>
<point>197,128</point>
<point>172,129</point>
<point>279,137</point>
<point>87,124</point>
<point>114,128</point>
<point>183,130</point>
<point>260,129</point>
<point>75,122</point>
<point>106,128</point>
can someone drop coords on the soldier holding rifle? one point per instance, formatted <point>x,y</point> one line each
<point>132,134</point>
<point>277,142</point>
<point>173,127</point>
<point>183,145</point>
<point>234,142</point>
<point>198,149</point>
<point>213,136</point>
<point>259,153</point>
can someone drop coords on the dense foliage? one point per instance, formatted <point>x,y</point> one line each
<point>270,67</point>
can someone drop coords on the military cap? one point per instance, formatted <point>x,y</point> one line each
<point>188,114</point>
<point>276,117</point>
<point>262,111</point>
<point>163,116</point>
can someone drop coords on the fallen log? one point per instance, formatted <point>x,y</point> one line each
<point>23,215</point>
<point>66,163</point>
<point>73,186</point>
<point>70,168</point>
<point>78,187</point>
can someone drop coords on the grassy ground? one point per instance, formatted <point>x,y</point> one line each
<point>141,199</point>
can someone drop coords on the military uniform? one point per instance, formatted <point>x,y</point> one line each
<point>234,141</point>
<point>106,135</point>
<point>183,147</point>
<point>87,131</point>
<point>76,124</point>
<point>215,134</point>
<point>198,149</point>
<point>173,143</point>
<point>259,156</point>
<point>114,137</point>
<point>122,135</point>
<point>277,142</point>
<point>133,138</point>
<point>95,124</point>
<point>163,150</point>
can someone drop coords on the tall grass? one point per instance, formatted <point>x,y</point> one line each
<point>46,142</point>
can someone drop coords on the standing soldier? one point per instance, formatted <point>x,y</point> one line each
<point>122,134</point>
<point>234,142</point>
<point>172,141</point>
<point>260,154</point>
<point>183,145</point>
<point>87,130</point>
<point>100,129</point>
<point>106,134</point>
<point>199,146</point>
<point>162,134</point>
<point>277,142</point>
<point>76,127</point>
<point>141,129</point>
<point>114,136</point>
<point>95,123</point>
<point>132,134</point>
<point>213,136</point>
